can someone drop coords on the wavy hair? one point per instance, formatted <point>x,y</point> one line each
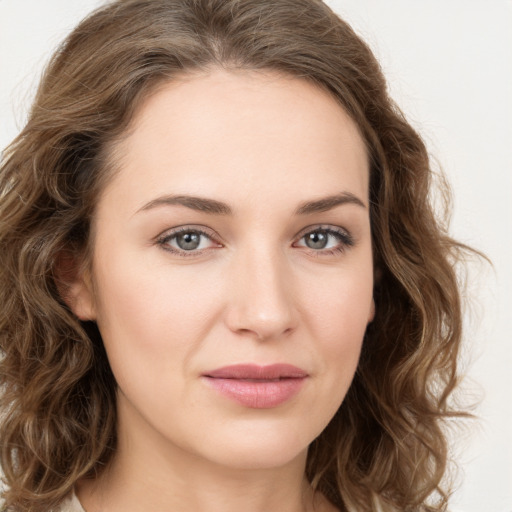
<point>386,447</point>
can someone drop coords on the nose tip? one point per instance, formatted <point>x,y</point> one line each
<point>264,331</point>
<point>262,303</point>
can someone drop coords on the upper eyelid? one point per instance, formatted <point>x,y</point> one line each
<point>169,233</point>
<point>210,232</point>
<point>325,227</point>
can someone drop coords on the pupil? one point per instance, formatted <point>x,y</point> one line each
<point>316,240</point>
<point>188,241</point>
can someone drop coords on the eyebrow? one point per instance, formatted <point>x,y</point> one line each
<point>200,204</point>
<point>328,203</point>
<point>215,207</point>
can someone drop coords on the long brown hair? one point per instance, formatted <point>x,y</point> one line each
<point>386,448</point>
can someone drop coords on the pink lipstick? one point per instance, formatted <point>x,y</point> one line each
<point>257,387</point>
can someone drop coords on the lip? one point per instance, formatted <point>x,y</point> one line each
<point>255,386</point>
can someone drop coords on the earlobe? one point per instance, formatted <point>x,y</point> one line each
<point>74,286</point>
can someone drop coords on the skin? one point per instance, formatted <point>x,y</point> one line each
<point>253,292</point>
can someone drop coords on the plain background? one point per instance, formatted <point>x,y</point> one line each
<point>449,66</point>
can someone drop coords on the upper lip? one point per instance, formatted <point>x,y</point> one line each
<point>254,371</point>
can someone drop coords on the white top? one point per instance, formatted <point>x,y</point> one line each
<point>71,504</point>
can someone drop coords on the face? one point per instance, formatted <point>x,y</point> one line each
<point>232,267</point>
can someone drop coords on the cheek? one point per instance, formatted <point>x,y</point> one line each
<point>338,314</point>
<point>152,317</point>
<point>340,305</point>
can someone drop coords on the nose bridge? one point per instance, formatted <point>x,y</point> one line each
<point>262,292</point>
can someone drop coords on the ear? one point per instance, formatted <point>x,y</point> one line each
<point>74,285</point>
<point>371,314</point>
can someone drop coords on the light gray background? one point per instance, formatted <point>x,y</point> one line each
<point>449,65</point>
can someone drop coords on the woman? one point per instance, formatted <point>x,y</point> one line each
<point>223,285</point>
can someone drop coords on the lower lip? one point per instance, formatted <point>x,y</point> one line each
<point>262,394</point>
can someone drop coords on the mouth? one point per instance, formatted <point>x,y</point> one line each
<point>257,387</point>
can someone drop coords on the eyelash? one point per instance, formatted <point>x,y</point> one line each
<point>164,240</point>
<point>344,238</point>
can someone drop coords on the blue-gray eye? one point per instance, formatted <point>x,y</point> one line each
<point>188,241</point>
<point>326,240</point>
<point>317,239</point>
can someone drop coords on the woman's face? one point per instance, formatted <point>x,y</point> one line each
<point>232,268</point>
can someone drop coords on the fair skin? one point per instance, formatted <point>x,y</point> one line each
<point>278,270</point>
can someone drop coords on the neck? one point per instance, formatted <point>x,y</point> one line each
<point>196,486</point>
<point>147,474</point>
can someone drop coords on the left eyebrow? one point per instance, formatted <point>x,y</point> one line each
<point>328,203</point>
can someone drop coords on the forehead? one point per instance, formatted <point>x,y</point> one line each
<point>232,135</point>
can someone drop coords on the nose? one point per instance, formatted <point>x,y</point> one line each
<point>261,303</point>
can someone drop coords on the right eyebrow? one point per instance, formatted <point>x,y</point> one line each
<point>200,204</point>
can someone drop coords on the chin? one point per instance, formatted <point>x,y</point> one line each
<point>256,446</point>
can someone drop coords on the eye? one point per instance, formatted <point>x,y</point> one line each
<point>187,240</point>
<point>327,240</point>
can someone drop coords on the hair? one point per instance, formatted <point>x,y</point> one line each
<point>386,447</point>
